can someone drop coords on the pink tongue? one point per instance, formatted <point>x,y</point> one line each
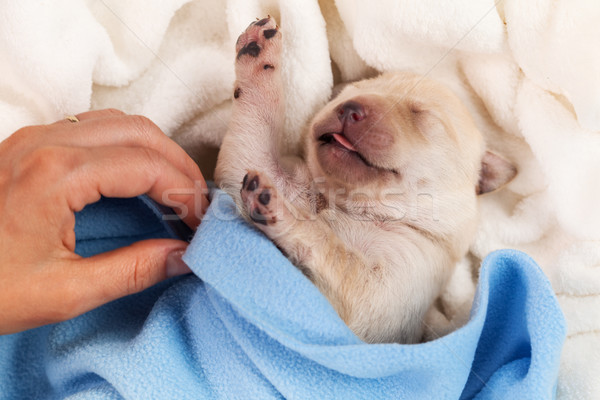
<point>343,141</point>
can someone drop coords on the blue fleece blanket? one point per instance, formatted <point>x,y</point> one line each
<point>249,325</point>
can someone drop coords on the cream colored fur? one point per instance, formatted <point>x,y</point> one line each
<point>378,223</point>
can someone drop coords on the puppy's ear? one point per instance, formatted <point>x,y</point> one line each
<point>495,172</point>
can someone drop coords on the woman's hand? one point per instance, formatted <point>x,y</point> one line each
<point>46,174</point>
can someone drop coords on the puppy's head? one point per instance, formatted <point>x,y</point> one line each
<point>399,136</point>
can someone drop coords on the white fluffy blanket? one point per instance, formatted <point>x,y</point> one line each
<point>530,71</point>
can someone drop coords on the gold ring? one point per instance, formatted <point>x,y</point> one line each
<point>72,118</point>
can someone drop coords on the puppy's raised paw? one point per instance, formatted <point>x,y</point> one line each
<point>260,199</point>
<point>260,35</point>
<point>258,54</point>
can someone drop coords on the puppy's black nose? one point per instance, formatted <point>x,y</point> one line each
<point>351,112</point>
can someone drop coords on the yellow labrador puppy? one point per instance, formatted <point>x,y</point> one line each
<point>383,203</point>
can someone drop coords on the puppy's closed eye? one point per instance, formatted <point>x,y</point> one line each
<point>416,107</point>
<point>428,123</point>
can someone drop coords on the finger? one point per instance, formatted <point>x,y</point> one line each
<point>90,115</point>
<point>105,277</point>
<point>129,172</point>
<point>99,114</point>
<point>114,128</point>
<point>57,292</point>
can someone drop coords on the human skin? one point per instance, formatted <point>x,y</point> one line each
<point>49,172</point>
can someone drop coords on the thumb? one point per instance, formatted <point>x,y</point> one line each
<point>129,269</point>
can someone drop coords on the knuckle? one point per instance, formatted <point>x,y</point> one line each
<point>151,158</point>
<point>139,276</point>
<point>48,160</point>
<point>144,130</point>
<point>114,112</point>
<point>23,133</point>
<point>23,137</point>
<point>143,126</point>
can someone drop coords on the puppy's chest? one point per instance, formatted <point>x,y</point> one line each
<point>375,241</point>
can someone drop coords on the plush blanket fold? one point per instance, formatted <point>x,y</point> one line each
<point>248,324</point>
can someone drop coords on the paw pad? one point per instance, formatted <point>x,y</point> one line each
<point>251,49</point>
<point>252,185</point>
<point>257,195</point>
<point>265,197</point>
<point>256,37</point>
<point>269,33</point>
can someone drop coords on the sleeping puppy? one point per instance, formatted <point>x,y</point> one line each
<point>384,201</point>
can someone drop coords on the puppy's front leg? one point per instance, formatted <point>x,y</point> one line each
<point>258,110</point>
<point>343,275</point>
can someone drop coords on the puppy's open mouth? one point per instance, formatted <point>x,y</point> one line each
<point>339,140</point>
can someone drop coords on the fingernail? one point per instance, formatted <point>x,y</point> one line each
<point>175,265</point>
